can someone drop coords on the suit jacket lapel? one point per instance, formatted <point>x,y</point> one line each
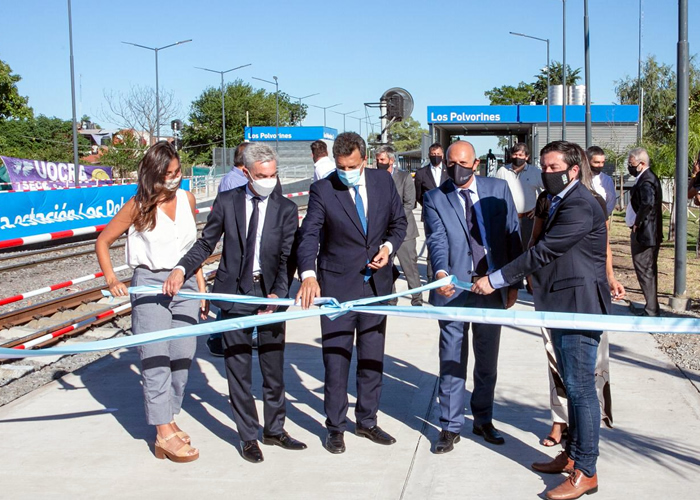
<point>345,199</point>
<point>453,198</point>
<point>239,212</point>
<point>443,174</point>
<point>373,195</point>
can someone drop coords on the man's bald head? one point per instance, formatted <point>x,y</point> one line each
<point>461,149</point>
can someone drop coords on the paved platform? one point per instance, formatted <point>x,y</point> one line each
<point>85,436</point>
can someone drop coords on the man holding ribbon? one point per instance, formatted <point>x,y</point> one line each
<point>471,226</point>
<point>354,222</point>
<point>258,225</point>
<point>567,264</point>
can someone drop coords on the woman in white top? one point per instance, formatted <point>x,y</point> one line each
<point>161,229</point>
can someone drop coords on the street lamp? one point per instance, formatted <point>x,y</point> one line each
<point>359,122</point>
<point>324,108</point>
<point>300,99</point>
<point>223,113</point>
<point>277,108</point>
<point>76,160</point>
<point>587,76</point>
<point>344,115</point>
<point>563,71</point>
<point>156,49</point>
<point>546,40</point>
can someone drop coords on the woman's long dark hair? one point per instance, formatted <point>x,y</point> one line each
<point>151,190</point>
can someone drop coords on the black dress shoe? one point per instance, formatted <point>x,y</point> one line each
<point>216,346</point>
<point>446,442</point>
<point>250,451</point>
<point>375,434</point>
<point>489,433</point>
<point>335,442</point>
<point>283,440</point>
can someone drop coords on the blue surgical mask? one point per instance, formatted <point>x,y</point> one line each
<point>350,177</point>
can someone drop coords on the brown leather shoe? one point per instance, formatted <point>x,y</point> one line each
<point>575,486</point>
<point>562,463</point>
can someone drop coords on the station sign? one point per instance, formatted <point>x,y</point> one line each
<point>472,114</point>
<point>262,134</point>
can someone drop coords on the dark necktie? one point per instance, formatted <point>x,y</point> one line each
<point>360,206</point>
<point>480,263</point>
<point>554,203</point>
<point>249,256</point>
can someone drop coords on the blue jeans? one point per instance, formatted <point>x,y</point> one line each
<point>576,353</point>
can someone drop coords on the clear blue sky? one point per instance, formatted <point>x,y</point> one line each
<point>445,52</point>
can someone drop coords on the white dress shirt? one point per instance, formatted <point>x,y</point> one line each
<point>605,187</point>
<point>630,215</point>
<point>262,209</point>
<point>437,173</point>
<point>323,167</point>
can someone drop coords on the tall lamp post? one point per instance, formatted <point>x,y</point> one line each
<point>302,98</point>
<point>156,50</point>
<point>563,72</point>
<point>546,40</point>
<point>587,76</point>
<point>344,115</point>
<point>277,108</point>
<point>324,108</point>
<point>223,111</point>
<point>76,160</point>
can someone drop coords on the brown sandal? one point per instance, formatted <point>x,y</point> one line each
<point>181,434</point>
<point>182,455</point>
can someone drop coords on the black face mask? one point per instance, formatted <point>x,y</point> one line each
<point>596,170</point>
<point>435,160</point>
<point>632,170</point>
<point>517,162</point>
<point>555,182</point>
<point>460,175</point>
<point>383,166</point>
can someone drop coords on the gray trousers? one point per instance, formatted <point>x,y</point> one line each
<point>645,260</point>
<point>408,258</point>
<point>164,365</point>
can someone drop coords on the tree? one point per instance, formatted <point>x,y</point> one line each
<point>406,135</point>
<point>536,91</point>
<point>507,94</point>
<point>136,110</point>
<point>204,130</point>
<point>12,105</point>
<point>40,138</point>
<point>124,154</point>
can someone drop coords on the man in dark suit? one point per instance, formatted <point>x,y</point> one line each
<point>407,255</point>
<point>354,222</point>
<point>427,178</point>
<point>430,176</point>
<point>567,264</point>
<point>644,217</point>
<point>259,226</point>
<point>471,226</point>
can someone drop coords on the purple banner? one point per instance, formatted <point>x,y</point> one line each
<point>35,174</point>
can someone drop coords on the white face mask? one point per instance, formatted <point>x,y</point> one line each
<point>264,187</point>
<point>173,184</point>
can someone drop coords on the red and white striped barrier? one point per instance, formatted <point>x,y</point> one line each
<point>38,238</point>
<point>294,195</point>
<point>202,210</point>
<point>57,286</point>
<point>58,333</point>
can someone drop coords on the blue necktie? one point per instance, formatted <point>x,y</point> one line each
<point>360,206</point>
<point>479,261</point>
<point>553,206</point>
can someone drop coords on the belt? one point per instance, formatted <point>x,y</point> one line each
<point>257,278</point>
<point>520,216</point>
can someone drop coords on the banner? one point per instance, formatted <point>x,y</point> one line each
<point>38,212</point>
<point>35,174</point>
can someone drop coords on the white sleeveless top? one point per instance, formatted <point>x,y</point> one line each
<point>163,247</point>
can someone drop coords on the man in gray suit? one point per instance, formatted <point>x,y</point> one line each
<point>408,257</point>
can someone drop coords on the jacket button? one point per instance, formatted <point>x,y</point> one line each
<point>367,247</point>
<point>469,254</point>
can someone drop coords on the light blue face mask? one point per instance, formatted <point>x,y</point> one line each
<point>350,177</point>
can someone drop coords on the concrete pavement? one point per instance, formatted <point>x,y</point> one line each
<point>85,435</point>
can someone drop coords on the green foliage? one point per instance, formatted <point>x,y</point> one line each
<point>12,105</point>
<point>536,91</point>
<point>204,130</point>
<point>124,154</point>
<point>406,135</point>
<point>40,138</point>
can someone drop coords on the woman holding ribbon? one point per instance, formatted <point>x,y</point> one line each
<point>160,225</point>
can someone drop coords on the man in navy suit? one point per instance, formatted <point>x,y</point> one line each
<point>567,264</point>
<point>354,223</point>
<point>471,226</point>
